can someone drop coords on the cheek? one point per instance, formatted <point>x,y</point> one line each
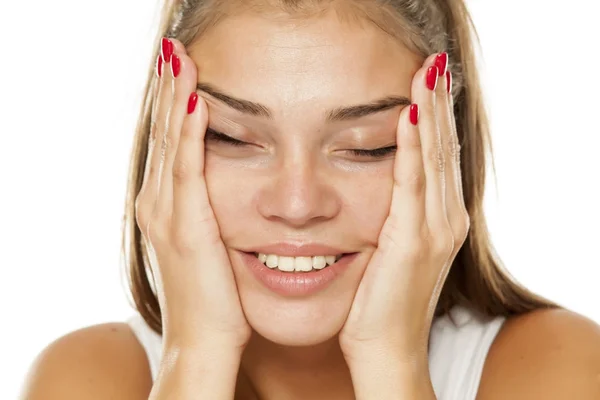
<point>229,193</point>
<point>369,203</point>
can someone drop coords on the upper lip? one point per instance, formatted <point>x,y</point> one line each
<point>297,250</point>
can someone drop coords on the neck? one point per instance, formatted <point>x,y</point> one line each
<point>314,372</point>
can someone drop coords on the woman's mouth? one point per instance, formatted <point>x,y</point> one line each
<point>297,264</point>
<point>297,276</point>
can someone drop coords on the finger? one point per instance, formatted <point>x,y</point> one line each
<point>458,172</point>
<point>423,89</point>
<point>158,127</point>
<point>454,200</point>
<point>191,206</point>
<point>183,72</point>
<point>408,195</point>
<point>146,197</point>
<point>152,134</point>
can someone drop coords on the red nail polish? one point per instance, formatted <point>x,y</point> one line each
<point>441,61</point>
<point>175,65</point>
<point>449,81</point>
<point>414,114</point>
<point>159,65</point>
<point>166,49</point>
<point>192,102</point>
<point>432,76</point>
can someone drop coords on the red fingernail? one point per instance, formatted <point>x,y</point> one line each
<point>192,102</point>
<point>441,61</point>
<point>414,114</point>
<point>175,65</point>
<point>432,76</point>
<point>166,49</point>
<point>449,81</point>
<point>159,65</point>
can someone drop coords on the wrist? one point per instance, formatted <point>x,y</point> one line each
<point>391,377</point>
<point>205,342</point>
<point>193,372</point>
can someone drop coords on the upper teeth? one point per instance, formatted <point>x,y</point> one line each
<point>290,264</point>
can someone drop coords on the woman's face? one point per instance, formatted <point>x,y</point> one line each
<point>296,181</point>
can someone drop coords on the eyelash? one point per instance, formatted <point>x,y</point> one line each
<point>375,153</point>
<point>213,135</point>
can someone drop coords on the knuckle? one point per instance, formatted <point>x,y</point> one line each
<point>181,171</point>
<point>140,219</point>
<point>141,213</point>
<point>416,250</point>
<point>463,225</point>
<point>157,232</point>
<point>415,181</point>
<point>435,156</point>
<point>152,171</point>
<point>186,132</point>
<point>152,135</point>
<point>444,244</point>
<point>159,127</point>
<point>453,148</point>
<point>184,244</point>
<point>168,141</point>
<point>163,147</point>
<point>189,134</point>
<point>410,143</point>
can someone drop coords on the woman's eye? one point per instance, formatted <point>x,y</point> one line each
<point>215,136</point>
<point>375,153</point>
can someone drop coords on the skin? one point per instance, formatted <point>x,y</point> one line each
<point>300,184</point>
<point>297,187</point>
<point>546,354</point>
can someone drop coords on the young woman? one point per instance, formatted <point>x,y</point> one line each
<point>305,221</point>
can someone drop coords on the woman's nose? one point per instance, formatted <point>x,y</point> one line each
<point>299,195</point>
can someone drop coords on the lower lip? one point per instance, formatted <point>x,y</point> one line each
<point>296,283</point>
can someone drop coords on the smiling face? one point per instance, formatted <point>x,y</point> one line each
<point>297,179</point>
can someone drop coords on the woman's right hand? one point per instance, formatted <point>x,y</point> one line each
<point>196,290</point>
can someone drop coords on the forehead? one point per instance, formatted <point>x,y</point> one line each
<point>285,61</point>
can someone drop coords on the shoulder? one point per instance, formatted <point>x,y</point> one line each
<point>98,362</point>
<point>544,354</point>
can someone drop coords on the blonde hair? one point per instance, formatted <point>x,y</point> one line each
<point>477,279</point>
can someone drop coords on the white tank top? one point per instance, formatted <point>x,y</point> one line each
<point>456,352</point>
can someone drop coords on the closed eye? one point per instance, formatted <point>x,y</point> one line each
<point>220,137</point>
<point>375,153</point>
<point>215,136</point>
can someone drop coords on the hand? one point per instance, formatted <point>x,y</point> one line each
<point>395,303</point>
<point>195,285</point>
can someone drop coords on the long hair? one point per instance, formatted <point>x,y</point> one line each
<point>477,278</point>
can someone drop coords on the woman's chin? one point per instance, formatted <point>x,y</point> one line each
<point>295,322</point>
<point>298,338</point>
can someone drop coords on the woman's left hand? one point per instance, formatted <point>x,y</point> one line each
<point>393,309</point>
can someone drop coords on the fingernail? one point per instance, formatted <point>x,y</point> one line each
<point>414,114</point>
<point>441,61</point>
<point>175,65</point>
<point>159,65</point>
<point>192,102</point>
<point>449,81</point>
<point>432,76</point>
<point>166,49</point>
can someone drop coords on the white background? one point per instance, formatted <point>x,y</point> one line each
<point>72,74</point>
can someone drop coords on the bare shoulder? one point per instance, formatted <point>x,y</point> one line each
<point>545,354</point>
<point>98,362</point>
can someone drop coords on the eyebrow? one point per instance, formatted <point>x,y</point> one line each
<point>337,114</point>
